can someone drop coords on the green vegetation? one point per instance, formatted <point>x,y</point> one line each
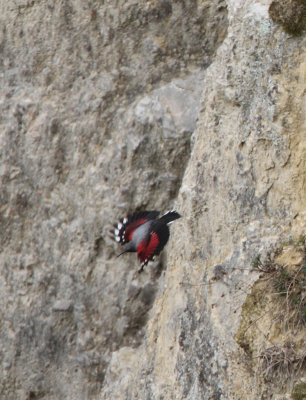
<point>289,282</point>
<point>273,320</point>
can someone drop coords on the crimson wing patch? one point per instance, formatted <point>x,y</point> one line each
<point>124,230</point>
<point>158,238</point>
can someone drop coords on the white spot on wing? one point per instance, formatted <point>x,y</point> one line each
<point>116,232</point>
<point>117,239</point>
<point>168,212</point>
<point>124,220</point>
<point>119,225</point>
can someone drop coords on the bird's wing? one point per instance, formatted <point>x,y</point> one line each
<point>126,227</point>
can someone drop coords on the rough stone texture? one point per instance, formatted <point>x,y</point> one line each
<point>108,107</point>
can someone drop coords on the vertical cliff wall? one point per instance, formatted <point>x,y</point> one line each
<point>110,107</point>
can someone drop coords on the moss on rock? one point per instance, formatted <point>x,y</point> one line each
<point>291,14</point>
<point>299,391</point>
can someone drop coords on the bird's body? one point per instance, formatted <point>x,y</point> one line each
<point>144,234</point>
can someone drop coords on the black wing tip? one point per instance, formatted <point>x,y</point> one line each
<point>148,214</point>
<point>173,212</point>
<point>171,216</point>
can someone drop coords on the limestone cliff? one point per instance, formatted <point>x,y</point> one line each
<point>108,107</point>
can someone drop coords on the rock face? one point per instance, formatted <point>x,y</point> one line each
<point>111,107</point>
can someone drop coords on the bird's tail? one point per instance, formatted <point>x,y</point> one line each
<point>170,216</point>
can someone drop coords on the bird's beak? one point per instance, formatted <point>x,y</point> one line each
<point>125,251</point>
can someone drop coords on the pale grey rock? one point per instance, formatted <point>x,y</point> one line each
<point>62,305</point>
<point>167,106</point>
<point>234,207</point>
<point>75,156</point>
<point>108,107</point>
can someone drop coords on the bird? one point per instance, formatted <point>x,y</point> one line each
<point>143,233</point>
